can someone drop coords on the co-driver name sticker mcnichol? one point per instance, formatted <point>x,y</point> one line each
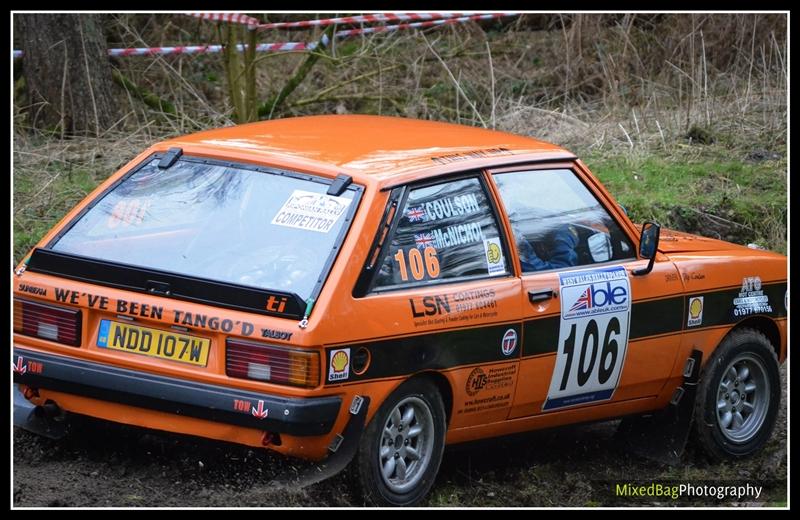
<point>311,211</point>
<point>592,337</point>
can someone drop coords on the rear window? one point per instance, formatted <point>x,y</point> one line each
<point>235,224</point>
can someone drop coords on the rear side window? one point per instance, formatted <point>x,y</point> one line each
<point>445,231</point>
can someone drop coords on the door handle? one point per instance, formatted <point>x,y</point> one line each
<point>540,296</point>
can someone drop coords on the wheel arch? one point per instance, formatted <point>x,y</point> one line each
<point>764,325</point>
<point>445,389</point>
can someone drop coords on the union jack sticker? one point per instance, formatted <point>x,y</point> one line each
<point>423,240</point>
<point>416,214</point>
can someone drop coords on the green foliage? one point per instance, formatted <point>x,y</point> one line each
<point>712,194</point>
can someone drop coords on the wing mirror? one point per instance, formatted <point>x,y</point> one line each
<point>648,246</point>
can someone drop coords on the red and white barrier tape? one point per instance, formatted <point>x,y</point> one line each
<point>420,25</point>
<point>292,46</point>
<point>228,17</point>
<point>366,18</point>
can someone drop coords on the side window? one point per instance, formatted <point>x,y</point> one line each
<point>445,231</point>
<point>557,222</point>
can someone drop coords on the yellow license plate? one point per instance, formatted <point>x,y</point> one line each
<point>153,342</point>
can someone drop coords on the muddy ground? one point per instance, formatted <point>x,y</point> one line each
<point>101,464</point>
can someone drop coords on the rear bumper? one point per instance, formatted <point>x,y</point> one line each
<point>291,416</point>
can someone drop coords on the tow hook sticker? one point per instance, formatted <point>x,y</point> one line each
<point>20,367</point>
<point>261,412</point>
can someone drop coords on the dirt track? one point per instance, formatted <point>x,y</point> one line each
<point>100,464</point>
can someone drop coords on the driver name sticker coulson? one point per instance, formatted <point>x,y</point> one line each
<point>311,211</point>
<point>592,338</point>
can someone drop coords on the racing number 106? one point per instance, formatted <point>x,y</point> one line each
<point>418,266</point>
<point>608,354</point>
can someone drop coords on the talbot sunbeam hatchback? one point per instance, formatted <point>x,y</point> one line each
<point>362,291</point>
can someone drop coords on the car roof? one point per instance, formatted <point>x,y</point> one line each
<point>388,148</point>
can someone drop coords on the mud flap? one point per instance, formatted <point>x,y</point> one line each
<point>30,417</point>
<point>662,436</point>
<point>343,449</point>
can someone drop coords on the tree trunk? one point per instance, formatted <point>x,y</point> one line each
<point>67,73</point>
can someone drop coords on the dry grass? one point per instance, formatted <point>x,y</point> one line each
<point>629,86</point>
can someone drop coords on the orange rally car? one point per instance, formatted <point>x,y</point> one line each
<point>369,289</point>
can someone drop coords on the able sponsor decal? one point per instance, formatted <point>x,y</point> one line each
<point>495,261</point>
<point>311,211</point>
<point>593,336</point>
<point>695,311</point>
<point>339,366</point>
<point>751,298</point>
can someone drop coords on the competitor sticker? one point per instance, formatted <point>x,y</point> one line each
<point>592,338</point>
<point>751,299</point>
<point>311,211</point>
<point>494,256</point>
<point>509,343</point>
<point>695,311</point>
<point>339,368</point>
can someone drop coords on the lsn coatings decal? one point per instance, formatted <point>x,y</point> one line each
<point>592,338</point>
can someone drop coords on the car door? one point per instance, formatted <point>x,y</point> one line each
<point>593,333</point>
<point>444,293</point>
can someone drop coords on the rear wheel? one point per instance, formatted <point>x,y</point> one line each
<point>401,449</point>
<point>739,396</point>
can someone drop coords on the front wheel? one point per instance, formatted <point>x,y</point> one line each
<point>401,449</point>
<point>739,396</point>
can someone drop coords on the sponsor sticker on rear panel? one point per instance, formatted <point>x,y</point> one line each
<point>592,338</point>
<point>339,366</point>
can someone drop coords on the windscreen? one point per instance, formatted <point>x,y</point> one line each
<point>269,230</point>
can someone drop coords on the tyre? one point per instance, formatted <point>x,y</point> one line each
<point>401,449</point>
<point>738,397</point>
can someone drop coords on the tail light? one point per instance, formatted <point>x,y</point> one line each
<point>47,322</point>
<point>268,363</point>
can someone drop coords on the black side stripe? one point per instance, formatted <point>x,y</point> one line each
<point>434,351</point>
<point>650,318</point>
<point>450,349</point>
